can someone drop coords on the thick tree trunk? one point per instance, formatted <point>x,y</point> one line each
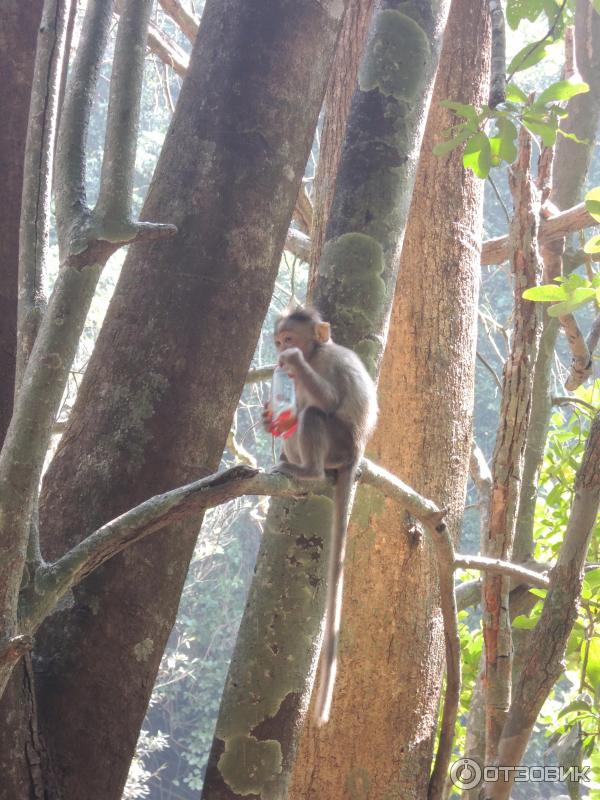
<point>338,98</point>
<point>159,393</point>
<point>18,35</point>
<point>379,742</point>
<point>354,289</point>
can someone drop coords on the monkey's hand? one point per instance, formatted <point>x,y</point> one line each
<point>290,358</point>
<point>267,418</point>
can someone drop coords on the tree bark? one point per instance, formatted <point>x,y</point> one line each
<point>18,35</point>
<point>354,290</point>
<point>342,84</point>
<point>392,624</point>
<point>157,400</point>
<point>571,164</point>
<point>543,663</point>
<point>511,437</point>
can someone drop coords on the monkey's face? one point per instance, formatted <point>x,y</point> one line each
<point>292,334</point>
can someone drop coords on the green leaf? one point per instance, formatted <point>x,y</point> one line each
<point>576,705</point>
<point>576,299</point>
<point>463,110</point>
<point>443,148</point>
<point>592,578</point>
<point>592,245</point>
<point>593,663</point>
<point>477,155</point>
<point>517,10</point>
<point>523,623</point>
<point>514,94</point>
<point>527,57</point>
<point>548,293</point>
<point>561,90</point>
<point>592,203</point>
<point>547,131</point>
<point>508,135</point>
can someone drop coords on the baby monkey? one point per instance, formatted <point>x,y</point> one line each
<point>337,410</point>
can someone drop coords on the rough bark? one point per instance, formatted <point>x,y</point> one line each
<point>34,226</point>
<point>19,25</point>
<point>354,290</point>
<point>392,623</point>
<point>157,400</point>
<point>507,462</point>
<point>543,664</point>
<point>569,174</point>
<point>338,98</point>
<point>18,35</point>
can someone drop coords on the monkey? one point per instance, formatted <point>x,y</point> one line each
<point>337,410</point>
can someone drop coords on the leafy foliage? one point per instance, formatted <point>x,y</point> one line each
<point>541,117</point>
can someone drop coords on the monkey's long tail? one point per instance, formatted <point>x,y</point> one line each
<point>341,515</point>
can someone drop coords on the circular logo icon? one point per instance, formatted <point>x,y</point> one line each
<point>465,774</point>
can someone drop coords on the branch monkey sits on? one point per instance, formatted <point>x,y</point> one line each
<point>337,410</point>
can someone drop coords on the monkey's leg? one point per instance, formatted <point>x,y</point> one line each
<point>313,444</point>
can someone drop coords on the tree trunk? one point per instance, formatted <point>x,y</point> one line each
<point>570,171</point>
<point>157,400</point>
<point>277,649</point>
<point>18,35</point>
<point>379,742</point>
<point>342,84</point>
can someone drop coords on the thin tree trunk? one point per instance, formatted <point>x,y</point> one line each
<point>19,23</point>
<point>372,194</point>
<point>570,170</point>
<point>392,646</point>
<point>157,400</point>
<point>543,663</point>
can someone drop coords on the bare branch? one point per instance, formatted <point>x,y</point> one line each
<point>581,361</point>
<point>298,243</point>
<point>575,401</point>
<point>490,369</point>
<point>53,580</point>
<point>496,566</point>
<point>187,21</point>
<point>167,50</point>
<point>498,57</point>
<point>37,175</point>
<point>71,205</point>
<point>118,162</point>
<point>260,374</point>
<point>495,251</point>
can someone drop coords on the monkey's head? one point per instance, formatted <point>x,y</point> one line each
<point>302,328</point>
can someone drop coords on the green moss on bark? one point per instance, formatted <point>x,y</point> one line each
<point>396,58</point>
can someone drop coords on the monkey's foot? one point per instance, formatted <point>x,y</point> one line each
<point>296,471</point>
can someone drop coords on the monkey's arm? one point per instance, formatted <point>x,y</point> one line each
<point>323,393</point>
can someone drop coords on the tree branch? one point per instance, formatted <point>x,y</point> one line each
<point>496,566</point>
<point>544,662</point>
<point>510,443</point>
<point>37,175</point>
<point>167,50</point>
<point>495,251</point>
<point>118,161</point>
<point>187,21</point>
<point>498,57</point>
<point>53,580</point>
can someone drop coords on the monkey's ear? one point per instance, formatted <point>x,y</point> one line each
<point>323,332</point>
